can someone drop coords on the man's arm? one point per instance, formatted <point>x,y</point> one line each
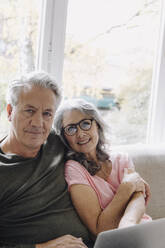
<point>9,245</point>
<point>67,241</point>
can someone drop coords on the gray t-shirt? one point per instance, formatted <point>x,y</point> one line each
<point>35,205</point>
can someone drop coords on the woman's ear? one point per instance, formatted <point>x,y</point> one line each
<point>9,111</point>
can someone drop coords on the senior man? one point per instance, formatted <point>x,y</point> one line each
<point>35,207</point>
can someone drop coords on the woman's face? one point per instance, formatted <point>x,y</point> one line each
<point>84,141</point>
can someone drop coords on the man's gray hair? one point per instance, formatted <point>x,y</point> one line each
<point>35,78</point>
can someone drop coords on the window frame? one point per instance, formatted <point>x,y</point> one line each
<point>50,57</point>
<point>51,42</point>
<point>156,120</point>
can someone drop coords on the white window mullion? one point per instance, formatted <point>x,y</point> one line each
<point>52,37</point>
<point>156,127</point>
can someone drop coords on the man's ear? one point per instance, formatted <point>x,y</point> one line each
<point>9,111</point>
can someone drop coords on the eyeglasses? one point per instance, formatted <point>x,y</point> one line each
<point>84,124</point>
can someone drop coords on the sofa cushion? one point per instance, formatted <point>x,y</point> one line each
<point>149,161</point>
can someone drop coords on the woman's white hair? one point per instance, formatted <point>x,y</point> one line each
<point>86,108</point>
<point>101,148</point>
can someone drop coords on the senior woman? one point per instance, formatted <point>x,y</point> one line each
<point>105,189</point>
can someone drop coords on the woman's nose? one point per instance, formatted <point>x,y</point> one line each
<point>80,132</point>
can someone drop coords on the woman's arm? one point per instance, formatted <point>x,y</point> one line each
<point>134,210</point>
<point>87,205</point>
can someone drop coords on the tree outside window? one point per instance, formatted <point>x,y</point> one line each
<point>18,32</point>
<point>109,56</point>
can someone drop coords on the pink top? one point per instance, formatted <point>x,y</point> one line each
<point>75,173</point>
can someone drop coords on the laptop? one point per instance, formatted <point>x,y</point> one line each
<point>146,235</point>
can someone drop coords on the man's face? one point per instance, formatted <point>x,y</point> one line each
<point>31,119</point>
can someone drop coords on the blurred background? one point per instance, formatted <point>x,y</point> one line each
<point>110,46</point>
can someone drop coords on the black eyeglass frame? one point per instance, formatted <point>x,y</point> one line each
<point>75,126</point>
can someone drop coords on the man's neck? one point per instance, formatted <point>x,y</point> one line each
<point>10,147</point>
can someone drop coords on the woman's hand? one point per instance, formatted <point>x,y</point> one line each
<point>137,183</point>
<point>147,192</point>
<point>132,178</point>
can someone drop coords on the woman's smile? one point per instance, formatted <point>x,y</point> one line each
<point>83,142</point>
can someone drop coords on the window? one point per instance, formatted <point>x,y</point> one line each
<point>19,21</point>
<point>109,58</point>
<point>52,48</point>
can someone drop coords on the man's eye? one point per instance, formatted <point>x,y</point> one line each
<point>47,114</point>
<point>29,111</point>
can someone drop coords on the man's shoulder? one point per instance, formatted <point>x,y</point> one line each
<point>54,141</point>
<point>53,137</point>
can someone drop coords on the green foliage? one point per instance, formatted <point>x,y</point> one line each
<point>18,32</point>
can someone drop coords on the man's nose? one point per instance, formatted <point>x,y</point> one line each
<point>37,120</point>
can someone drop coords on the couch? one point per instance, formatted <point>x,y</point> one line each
<point>149,161</point>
